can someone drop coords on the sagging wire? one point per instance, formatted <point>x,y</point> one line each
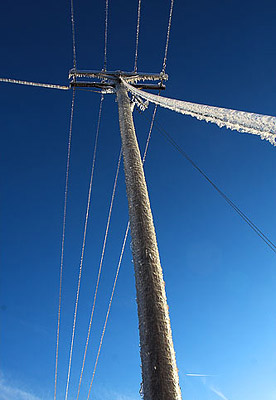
<point>83,247</point>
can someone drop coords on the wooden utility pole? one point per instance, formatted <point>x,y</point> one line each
<point>159,372</point>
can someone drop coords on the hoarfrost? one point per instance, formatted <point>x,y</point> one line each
<point>139,103</point>
<point>241,121</point>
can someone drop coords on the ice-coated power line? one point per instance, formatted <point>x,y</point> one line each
<point>83,246</point>
<point>100,269</point>
<point>73,35</point>
<point>241,121</point>
<point>65,201</point>
<point>137,35</point>
<point>108,310</point>
<point>63,235</point>
<point>105,35</point>
<point>168,37</point>
<point>45,85</point>
<point>149,134</point>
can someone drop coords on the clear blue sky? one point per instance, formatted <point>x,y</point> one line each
<point>220,277</point>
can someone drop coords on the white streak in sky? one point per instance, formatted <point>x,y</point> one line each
<point>218,393</point>
<point>241,121</point>
<point>198,375</point>
<point>10,392</point>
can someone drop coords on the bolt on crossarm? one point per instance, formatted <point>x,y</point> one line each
<point>159,371</point>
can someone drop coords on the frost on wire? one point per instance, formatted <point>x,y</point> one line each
<point>241,121</point>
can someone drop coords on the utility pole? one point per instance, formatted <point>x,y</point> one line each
<point>159,371</point>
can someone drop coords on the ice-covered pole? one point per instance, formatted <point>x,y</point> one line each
<point>159,372</point>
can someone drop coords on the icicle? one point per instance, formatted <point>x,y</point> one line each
<point>241,121</point>
<point>108,91</point>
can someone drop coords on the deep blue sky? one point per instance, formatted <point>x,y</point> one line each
<point>220,277</point>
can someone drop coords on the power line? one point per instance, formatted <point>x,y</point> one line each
<point>168,37</point>
<point>100,268</point>
<point>46,85</point>
<point>149,134</point>
<point>137,35</point>
<point>63,234</point>
<point>254,227</point>
<point>64,214</point>
<point>109,307</point>
<point>83,247</point>
<point>105,35</point>
<point>73,35</point>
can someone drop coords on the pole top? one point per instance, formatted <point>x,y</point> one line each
<point>107,80</point>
